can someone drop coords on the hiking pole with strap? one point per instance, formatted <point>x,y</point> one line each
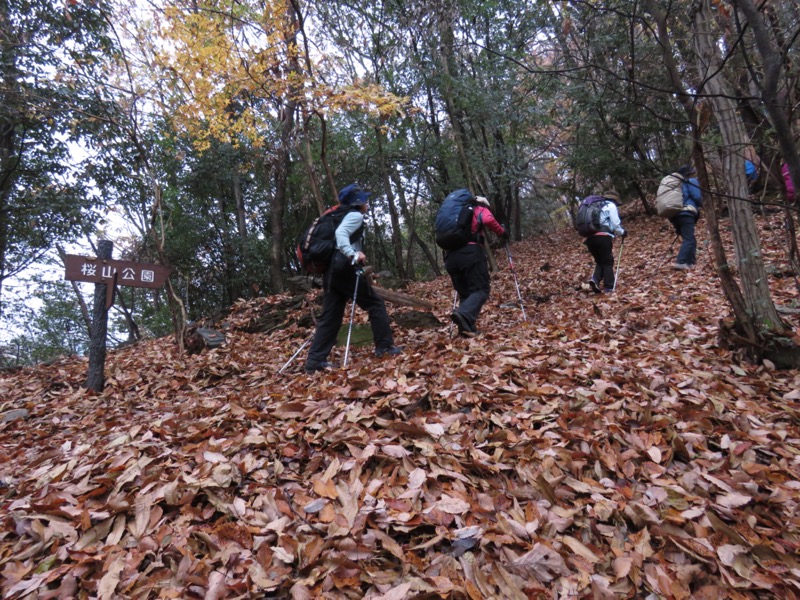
<point>619,261</point>
<point>300,349</point>
<point>352,314</point>
<point>516,283</point>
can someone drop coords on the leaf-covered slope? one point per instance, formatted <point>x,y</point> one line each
<point>605,447</point>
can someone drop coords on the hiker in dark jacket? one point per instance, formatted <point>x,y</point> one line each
<point>469,270</point>
<point>339,284</point>
<point>684,222</point>
<point>601,245</point>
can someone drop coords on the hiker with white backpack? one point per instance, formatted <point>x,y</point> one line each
<point>679,200</point>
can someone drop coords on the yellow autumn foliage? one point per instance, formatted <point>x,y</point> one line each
<point>231,68</point>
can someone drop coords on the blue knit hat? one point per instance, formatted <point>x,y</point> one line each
<point>352,195</point>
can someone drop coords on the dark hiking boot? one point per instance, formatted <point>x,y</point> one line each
<point>595,286</point>
<point>390,351</point>
<point>464,328</point>
<point>320,366</point>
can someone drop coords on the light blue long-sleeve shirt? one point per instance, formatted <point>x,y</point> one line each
<point>352,222</point>
<point>609,220</point>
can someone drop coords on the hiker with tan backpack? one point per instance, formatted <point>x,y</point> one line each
<point>678,199</point>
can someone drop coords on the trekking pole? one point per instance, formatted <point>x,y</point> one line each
<point>669,250</point>
<point>299,350</point>
<point>516,283</point>
<point>352,314</point>
<point>619,261</point>
<point>455,301</point>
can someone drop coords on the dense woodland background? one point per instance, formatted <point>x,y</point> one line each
<point>213,132</point>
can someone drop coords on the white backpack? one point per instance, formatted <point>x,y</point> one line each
<point>669,199</point>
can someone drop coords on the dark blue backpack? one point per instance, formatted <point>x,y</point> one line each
<point>587,221</point>
<point>453,223</point>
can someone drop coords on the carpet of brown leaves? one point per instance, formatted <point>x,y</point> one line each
<point>607,447</point>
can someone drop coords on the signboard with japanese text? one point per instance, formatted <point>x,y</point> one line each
<point>118,272</point>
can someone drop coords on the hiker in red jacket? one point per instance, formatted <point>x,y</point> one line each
<point>469,270</point>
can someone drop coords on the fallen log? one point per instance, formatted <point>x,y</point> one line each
<point>400,298</point>
<point>393,296</point>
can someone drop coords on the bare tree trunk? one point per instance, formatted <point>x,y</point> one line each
<point>773,62</point>
<point>760,307</point>
<point>307,156</point>
<point>449,70</point>
<point>752,328</point>
<point>95,376</point>
<point>299,21</point>
<point>241,215</point>
<point>177,308</point>
<point>87,318</point>
<point>699,115</point>
<point>283,157</point>
<point>397,237</point>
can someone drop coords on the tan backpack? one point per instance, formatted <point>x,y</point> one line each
<point>669,198</point>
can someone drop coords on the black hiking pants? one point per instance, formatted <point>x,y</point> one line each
<point>339,283</point>
<point>601,248</point>
<point>469,273</point>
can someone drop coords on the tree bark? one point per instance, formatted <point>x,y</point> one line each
<point>283,157</point>
<point>760,307</point>
<point>397,237</point>
<point>8,159</point>
<point>449,73</point>
<point>95,377</point>
<point>773,63</point>
<point>241,215</point>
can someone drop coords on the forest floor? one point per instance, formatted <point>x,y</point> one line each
<point>606,447</point>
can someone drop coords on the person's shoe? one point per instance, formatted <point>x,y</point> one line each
<point>320,366</point>
<point>595,286</point>
<point>608,291</point>
<point>463,325</point>
<point>681,267</point>
<point>390,351</point>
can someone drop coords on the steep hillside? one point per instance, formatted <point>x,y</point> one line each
<point>606,447</point>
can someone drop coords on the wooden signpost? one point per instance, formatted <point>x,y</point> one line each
<point>107,274</point>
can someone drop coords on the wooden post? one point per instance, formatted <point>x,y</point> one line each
<point>95,378</point>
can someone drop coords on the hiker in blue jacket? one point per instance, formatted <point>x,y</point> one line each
<point>339,284</point>
<point>601,245</point>
<point>684,222</point>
